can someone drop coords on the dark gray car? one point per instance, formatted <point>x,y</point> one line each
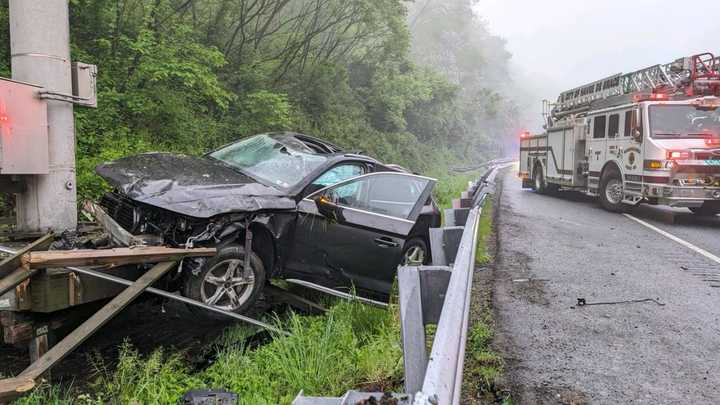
<point>313,211</point>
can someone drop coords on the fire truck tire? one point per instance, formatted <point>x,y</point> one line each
<point>706,210</point>
<point>611,191</point>
<point>539,184</point>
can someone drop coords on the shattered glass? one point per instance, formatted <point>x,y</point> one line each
<point>282,163</point>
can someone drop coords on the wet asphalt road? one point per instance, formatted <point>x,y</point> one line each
<point>553,250</point>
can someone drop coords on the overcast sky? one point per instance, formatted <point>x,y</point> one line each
<point>565,43</point>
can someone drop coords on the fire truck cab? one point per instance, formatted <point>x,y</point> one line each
<point>627,140</point>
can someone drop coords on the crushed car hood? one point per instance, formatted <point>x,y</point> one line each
<point>193,186</point>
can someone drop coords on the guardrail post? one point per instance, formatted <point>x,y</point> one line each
<point>456,216</point>
<point>444,243</point>
<point>412,328</point>
<point>422,294</point>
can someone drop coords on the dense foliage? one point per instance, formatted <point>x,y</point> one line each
<point>414,84</point>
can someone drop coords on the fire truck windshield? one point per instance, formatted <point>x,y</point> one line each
<point>683,121</point>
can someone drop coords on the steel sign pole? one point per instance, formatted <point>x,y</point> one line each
<point>40,54</point>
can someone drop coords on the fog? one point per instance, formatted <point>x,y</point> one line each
<point>560,44</point>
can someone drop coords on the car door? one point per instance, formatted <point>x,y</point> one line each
<point>596,146</point>
<point>352,233</point>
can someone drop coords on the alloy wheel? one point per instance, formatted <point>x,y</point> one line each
<point>414,256</point>
<point>227,285</point>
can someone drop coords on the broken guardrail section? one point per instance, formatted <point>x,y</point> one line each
<point>435,295</point>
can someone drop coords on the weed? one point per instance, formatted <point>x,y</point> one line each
<point>450,186</point>
<point>157,379</point>
<point>353,345</point>
<point>483,367</point>
<point>47,394</point>
<point>482,255</point>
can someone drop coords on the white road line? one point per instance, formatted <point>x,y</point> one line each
<point>670,236</point>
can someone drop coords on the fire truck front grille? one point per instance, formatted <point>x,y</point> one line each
<point>122,210</point>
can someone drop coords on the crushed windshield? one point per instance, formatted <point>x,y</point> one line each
<point>683,121</point>
<point>282,162</point>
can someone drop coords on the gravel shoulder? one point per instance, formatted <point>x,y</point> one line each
<point>553,250</point>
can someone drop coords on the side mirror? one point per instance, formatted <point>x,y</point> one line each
<point>636,127</point>
<point>326,207</point>
<point>637,135</point>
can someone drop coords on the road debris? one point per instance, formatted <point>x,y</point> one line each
<point>581,302</point>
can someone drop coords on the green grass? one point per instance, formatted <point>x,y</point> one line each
<point>352,346</point>
<point>50,395</point>
<point>450,186</point>
<point>482,255</point>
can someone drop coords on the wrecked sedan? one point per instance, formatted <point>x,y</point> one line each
<point>302,207</point>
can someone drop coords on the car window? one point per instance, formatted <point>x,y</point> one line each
<point>284,162</point>
<point>388,194</point>
<point>339,173</point>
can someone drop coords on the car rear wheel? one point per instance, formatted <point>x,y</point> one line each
<point>415,252</point>
<point>224,283</point>
<point>708,209</point>
<point>612,192</point>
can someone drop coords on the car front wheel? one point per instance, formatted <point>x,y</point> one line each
<point>415,252</point>
<point>224,283</point>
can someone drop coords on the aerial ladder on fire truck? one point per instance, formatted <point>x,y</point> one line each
<point>689,77</point>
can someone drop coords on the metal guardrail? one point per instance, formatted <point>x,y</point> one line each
<point>441,295</point>
<point>444,373</point>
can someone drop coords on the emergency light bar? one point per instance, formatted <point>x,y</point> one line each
<point>650,97</point>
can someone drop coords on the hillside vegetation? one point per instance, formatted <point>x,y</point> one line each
<point>414,83</point>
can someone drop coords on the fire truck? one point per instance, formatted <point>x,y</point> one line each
<point>651,136</point>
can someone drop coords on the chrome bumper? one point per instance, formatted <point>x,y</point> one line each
<point>681,196</point>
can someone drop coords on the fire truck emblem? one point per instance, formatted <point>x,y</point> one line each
<point>631,161</point>
<point>632,158</point>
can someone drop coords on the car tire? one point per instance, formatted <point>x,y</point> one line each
<point>706,210</point>
<point>239,291</point>
<point>415,252</point>
<point>539,184</point>
<point>611,191</point>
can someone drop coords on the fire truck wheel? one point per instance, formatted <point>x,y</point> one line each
<point>706,210</point>
<point>611,191</point>
<point>539,184</point>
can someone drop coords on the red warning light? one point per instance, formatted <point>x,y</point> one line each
<point>3,118</point>
<point>525,134</point>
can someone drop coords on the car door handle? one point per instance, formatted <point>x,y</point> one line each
<point>386,242</point>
